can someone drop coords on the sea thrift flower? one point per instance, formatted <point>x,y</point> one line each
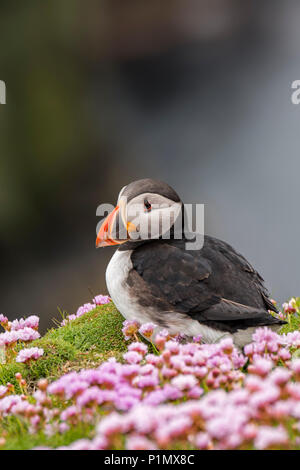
<point>27,334</point>
<point>281,316</point>
<point>3,391</point>
<point>161,338</point>
<point>110,425</point>
<point>295,366</point>
<point>85,309</point>
<point>226,345</point>
<point>101,299</point>
<point>184,382</point>
<point>132,357</point>
<point>88,307</point>
<point>203,441</point>
<point>197,339</point>
<point>137,442</point>
<point>147,329</point>
<point>3,320</point>
<point>264,335</point>
<point>130,328</point>
<point>291,339</point>
<point>29,354</point>
<point>30,322</point>
<point>290,307</point>
<point>8,338</point>
<point>261,367</point>
<point>138,347</point>
<point>63,427</point>
<point>268,437</point>
<point>68,319</point>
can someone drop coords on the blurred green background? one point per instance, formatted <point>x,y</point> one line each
<point>101,93</point>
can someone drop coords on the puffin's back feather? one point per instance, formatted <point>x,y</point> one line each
<point>215,285</point>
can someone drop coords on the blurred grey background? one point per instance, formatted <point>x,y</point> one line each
<point>101,93</point>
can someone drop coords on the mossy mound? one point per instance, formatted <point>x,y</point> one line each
<point>82,343</point>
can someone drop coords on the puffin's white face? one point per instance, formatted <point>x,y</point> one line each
<point>148,215</point>
<point>140,215</point>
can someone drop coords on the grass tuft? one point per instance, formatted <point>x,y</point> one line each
<point>85,342</point>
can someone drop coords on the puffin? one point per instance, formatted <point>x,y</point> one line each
<point>155,277</point>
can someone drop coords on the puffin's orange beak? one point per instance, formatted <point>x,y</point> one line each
<point>104,237</point>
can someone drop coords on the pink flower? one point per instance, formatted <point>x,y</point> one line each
<point>112,424</point>
<point>29,354</point>
<point>268,436</point>
<point>172,393</point>
<point>284,354</point>
<point>280,376</point>
<point>81,444</point>
<point>92,395</point>
<point>264,334</point>
<point>153,359</point>
<point>172,346</point>
<point>184,382</point>
<point>63,427</point>
<point>11,337</point>
<point>197,339</point>
<point>161,338</point>
<point>8,338</point>
<point>260,367</point>
<point>88,307</point>
<point>100,443</point>
<point>226,345</point>
<point>136,442</point>
<point>291,339</point>
<point>175,427</point>
<point>85,309</point>
<point>3,320</point>
<point>269,394</point>
<point>130,328</point>
<point>101,299</point>
<point>133,357</point>
<point>27,334</point>
<point>3,391</point>
<point>195,392</point>
<point>70,412</point>
<point>295,366</point>
<point>8,402</point>
<point>203,441</point>
<point>138,347</point>
<point>146,381</point>
<point>155,398</point>
<point>68,319</point>
<point>147,329</point>
<point>30,322</point>
<point>291,306</point>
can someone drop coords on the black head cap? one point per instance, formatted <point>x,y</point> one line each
<point>149,185</point>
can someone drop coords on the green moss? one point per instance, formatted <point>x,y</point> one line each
<point>292,325</point>
<point>100,329</point>
<point>84,342</point>
<point>20,439</point>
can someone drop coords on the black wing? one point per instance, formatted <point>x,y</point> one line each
<point>214,285</point>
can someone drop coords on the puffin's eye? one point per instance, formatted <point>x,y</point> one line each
<point>147,205</point>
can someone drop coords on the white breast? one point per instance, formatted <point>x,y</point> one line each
<point>116,275</point>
